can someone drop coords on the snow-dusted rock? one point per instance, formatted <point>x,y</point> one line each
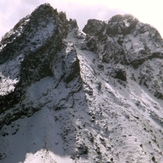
<point>124,39</point>
<point>69,96</point>
<point>33,59</point>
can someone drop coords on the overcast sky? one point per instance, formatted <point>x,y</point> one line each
<point>148,11</point>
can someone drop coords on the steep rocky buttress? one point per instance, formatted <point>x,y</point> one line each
<point>91,96</point>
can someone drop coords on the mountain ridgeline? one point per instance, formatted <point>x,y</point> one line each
<point>91,96</point>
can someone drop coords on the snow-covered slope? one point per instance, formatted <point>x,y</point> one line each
<point>69,96</point>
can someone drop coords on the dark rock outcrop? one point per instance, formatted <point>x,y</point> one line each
<point>119,40</point>
<point>121,25</point>
<point>35,42</point>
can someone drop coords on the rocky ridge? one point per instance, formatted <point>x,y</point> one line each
<point>72,96</point>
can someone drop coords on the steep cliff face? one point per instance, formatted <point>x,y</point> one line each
<point>126,41</point>
<point>72,96</point>
<point>27,55</point>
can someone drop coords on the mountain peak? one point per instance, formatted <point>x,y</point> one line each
<point>119,40</point>
<point>97,92</point>
<point>44,11</point>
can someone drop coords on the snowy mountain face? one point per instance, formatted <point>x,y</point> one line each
<point>68,96</point>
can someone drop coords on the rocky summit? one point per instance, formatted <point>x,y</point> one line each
<point>71,96</point>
